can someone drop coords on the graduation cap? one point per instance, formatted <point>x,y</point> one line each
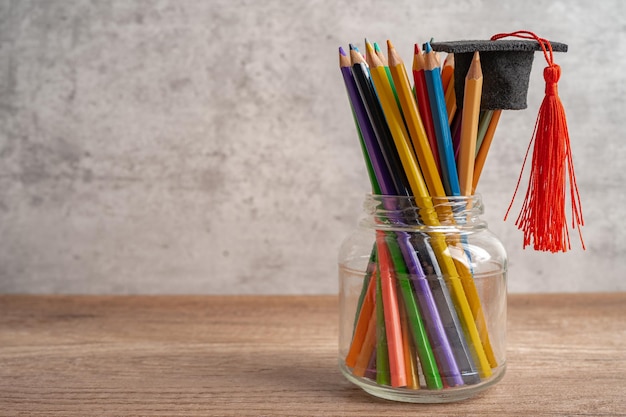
<point>506,66</point>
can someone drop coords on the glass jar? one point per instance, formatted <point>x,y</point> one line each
<point>422,291</point>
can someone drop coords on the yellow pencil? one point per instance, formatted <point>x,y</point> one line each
<point>396,126</point>
<point>414,122</point>
<point>484,148</point>
<point>469,124</point>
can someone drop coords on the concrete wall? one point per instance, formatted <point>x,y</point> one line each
<point>208,146</point>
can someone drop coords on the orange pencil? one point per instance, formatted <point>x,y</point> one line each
<point>450,95</point>
<point>368,347</point>
<point>469,124</point>
<point>447,72</point>
<point>362,324</point>
<point>484,148</point>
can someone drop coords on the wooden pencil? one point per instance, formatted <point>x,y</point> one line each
<point>423,103</point>
<point>363,125</point>
<point>469,124</point>
<point>481,157</point>
<point>369,343</point>
<point>410,363</point>
<point>450,96</point>
<point>483,125</point>
<point>362,325</point>
<point>396,125</point>
<point>382,181</point>
<point>379,54</point>
<point>447,72</point>
<point>440,121</point>
<point>382,350</point>
<point>393,327</point>
<point>375,113</point>
<point>383,59</point>
<point>414,123</point>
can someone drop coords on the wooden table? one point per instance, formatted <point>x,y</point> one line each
<point>276,356</point>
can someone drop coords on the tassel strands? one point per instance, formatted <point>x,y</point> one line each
<point>543,216</point>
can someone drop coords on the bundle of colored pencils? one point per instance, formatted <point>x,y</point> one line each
<point>426,331</point>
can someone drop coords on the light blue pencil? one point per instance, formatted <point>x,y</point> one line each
<point>437,99</point>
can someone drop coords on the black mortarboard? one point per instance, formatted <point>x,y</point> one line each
<point>506,66</point>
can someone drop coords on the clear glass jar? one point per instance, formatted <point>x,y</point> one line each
<point>422,290</point>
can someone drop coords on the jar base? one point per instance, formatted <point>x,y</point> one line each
<point>424,396</point>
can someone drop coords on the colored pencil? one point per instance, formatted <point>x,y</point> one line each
<point>455,130</point>
<point>447,72</point>
<point>450,97</point>
<point>481,157</point>
<point>414,123</point>
<point>369,343</point>
<point>369,273</point>
<point>423,103</point>
<point>384,181</point>
<point>382,351</point>
<point>374,111</point>
<point>396,125</point>
<point>440,121</point>
<point>383,59</point>
<point>410,365</point>
<point>469,125</point>
<point>393,328</point>
<point>483,125</point>
<point>473,299</point>
<point>363,323</point>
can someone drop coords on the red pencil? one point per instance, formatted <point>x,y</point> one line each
<point>393,327</point>
<point>423,104</point>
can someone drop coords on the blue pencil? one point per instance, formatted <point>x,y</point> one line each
<point>437,100</point>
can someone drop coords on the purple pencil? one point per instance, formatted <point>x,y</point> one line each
<point>377,160</point>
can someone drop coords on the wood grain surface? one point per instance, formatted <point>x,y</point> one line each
<point>277,356</point>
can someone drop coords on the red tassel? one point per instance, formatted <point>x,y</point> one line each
<point>542,217</point>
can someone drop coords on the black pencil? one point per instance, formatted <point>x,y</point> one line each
<point>381,129</point>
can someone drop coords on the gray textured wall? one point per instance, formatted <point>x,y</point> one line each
<point>207,146</point>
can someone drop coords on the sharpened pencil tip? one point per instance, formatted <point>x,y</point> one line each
<point>342,52</point>
<point>427,47</point>
<point>416,49</point>
<point>376,47</point>
<point>389,44</point>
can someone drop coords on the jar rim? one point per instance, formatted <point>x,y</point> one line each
<point>411,211</point>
